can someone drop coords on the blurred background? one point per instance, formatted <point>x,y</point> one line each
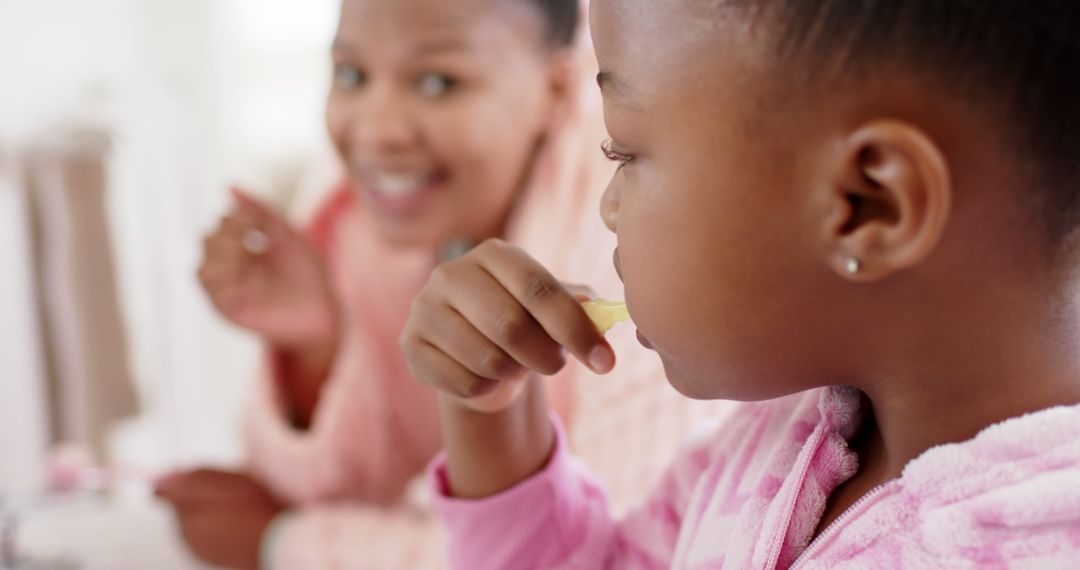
<point>122,123</point>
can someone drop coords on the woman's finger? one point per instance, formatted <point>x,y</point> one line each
<point>224,247</point>
<point>265,217</point>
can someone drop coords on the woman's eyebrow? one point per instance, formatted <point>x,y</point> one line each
<point>425,48</point>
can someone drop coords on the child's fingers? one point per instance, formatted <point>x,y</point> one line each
<point>447,330</point>
<point>553,307</point>
<point>497,315</point>
<point>432,366</point>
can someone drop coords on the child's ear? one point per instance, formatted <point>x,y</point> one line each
<point>889,202</point>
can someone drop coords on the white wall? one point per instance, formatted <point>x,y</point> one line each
<point>22,420</point>
<point>199,93</point>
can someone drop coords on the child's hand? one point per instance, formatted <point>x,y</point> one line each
<point>487,320</point>
<point>264,276</point>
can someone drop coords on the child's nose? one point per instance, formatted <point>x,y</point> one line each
<point>609,206</point>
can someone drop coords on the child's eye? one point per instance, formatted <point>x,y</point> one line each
<point>348,77</point>
<point>608,147</point>
<point>434,85</point>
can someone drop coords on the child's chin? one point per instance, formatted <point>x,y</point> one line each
<point>718,386</point>
<point>691,387</point>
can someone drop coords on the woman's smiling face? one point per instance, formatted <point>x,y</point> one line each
<point>437,109</point>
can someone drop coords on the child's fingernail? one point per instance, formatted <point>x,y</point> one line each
<point>601,359</point>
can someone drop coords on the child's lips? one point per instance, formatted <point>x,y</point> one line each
<point>618,269</point>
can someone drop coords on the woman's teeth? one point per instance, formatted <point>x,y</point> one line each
<point>398,184</point>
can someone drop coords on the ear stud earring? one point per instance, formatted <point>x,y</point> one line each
<point>853,266</point>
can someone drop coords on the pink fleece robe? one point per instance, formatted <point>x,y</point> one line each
<point>752,494</point>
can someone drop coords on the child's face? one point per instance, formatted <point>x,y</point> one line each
<point>437,108</point>
<point>708,211</point>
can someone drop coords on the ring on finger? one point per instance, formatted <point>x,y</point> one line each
<point>256,241</point>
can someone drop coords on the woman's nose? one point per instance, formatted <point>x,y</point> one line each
<point>382,122</point>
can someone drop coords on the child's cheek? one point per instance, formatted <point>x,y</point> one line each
<point>644,286</point>
<point>663,283</point>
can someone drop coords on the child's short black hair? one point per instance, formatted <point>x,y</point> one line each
<point>562,20</point>
<point>1021,57</point>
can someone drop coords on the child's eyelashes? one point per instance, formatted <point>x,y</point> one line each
<point>348,77</point>
<point>614,155</point>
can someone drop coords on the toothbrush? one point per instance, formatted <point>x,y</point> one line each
<point>606,314</point>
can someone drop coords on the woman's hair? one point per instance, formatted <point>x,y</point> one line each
<point>1020,58</point>
<point>562,20</point>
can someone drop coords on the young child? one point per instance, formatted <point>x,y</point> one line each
<point>861,217</point>
<point>457,121</point>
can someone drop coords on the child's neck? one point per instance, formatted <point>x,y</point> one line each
<point>899,429</point>
<point>960,377</point>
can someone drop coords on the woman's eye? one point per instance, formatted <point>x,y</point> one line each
<point>433,85</point>
<point>608,147</point>
<point>348,77</point>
